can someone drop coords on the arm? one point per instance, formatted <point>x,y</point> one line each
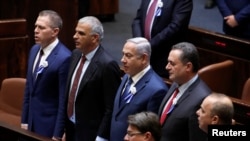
<point>111,81</point>
<point>223,8</point>
<point>137,24</point>
<point>243,15</point>
<point>62,79</point>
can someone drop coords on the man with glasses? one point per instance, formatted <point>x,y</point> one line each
<point>143,126</point>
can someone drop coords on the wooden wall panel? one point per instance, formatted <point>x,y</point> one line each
<point>215,47</point>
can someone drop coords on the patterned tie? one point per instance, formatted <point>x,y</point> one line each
<point>126,93</point>
<point>169,107</point>
<point>37,64</point>
<point>74,87</point>
<point>149,20</point>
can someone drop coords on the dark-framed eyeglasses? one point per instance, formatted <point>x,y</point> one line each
<point>131,134</point>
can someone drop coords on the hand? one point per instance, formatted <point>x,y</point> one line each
<point>56,139</point>
<point>24,126</point>
<point>231,21</point>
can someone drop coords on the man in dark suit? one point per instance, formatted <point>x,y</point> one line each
<point>98,83</point>
<point>168,27</point>
<point>236,17</point>
<point>179,123</point>
<point>43,106</point>
<point>145,92</point>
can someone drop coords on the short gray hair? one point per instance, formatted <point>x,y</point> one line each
<point>55,19</point>
<point>95,25</point>
<point>142,45</point>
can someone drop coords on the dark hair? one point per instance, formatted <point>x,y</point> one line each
<point>189,54</point>
<point>146,122</point>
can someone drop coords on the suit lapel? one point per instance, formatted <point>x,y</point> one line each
<point>92,67</point>
<point>50,59</point>
<point>139,86</point>
<point>168,95</point>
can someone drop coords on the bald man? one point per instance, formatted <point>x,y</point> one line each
<point>216,109</point>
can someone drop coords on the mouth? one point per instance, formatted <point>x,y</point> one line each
<point>36,38</point>
<point>125,68</point>
<point>77,43</point>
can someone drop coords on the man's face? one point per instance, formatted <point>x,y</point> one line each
<point>176,69</point>
<point>44,34</point>
<point>204,115</point>
<point>132,62</point>
<point>84,39</point>
<point>133,134</point>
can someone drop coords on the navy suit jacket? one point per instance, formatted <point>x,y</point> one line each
<point>168,29</point>
<point>182,123</point>
<point>95,96</point>
<point>150,90</point>
<point>241,10</point>
<point>43,106</point>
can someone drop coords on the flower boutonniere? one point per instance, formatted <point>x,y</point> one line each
<point>174,101</point>
<point>159,7</point>
<point>160,4</point>
<point>133,90</point>
<point>43,65</point>
<point>131,94</point>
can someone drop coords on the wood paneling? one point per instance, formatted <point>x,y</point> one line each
<point>215,47</point>
<point>14,43</point>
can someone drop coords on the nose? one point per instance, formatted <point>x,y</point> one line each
<point>126,137</point>
<point>74,36</point>
<point>167,66</point>
<point>198,112</point>
<point>36,30</point>
<point>123,59</point>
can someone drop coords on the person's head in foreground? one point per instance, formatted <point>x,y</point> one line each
<point>216,109</point>
<point>143,126</point>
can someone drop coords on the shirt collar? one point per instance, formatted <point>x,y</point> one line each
<point>139,75</point>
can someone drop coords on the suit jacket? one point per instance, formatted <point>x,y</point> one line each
<point>95,97</point>
<point>168,29</point>
<point>150,90</point>
<point>182,123</point>
<point>241,10</point>
<point>43,106</point>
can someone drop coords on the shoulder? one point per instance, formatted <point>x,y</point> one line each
<point>63,49</point>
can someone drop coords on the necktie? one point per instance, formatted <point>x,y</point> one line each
<point>149,19</point>
<point>74,87</point>
<point>126,93</point>
<point>37,64</point>
<point>168,106</point>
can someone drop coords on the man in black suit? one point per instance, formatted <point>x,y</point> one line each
<point>170,23</point>
<point>98,83</point>
<point>180,122</point>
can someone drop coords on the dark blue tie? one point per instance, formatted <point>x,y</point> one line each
<point>37,64</point>
<point>126,93</point>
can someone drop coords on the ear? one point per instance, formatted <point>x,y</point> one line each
<point>55,32</point>
<point>145,58</point>
<point>189,66</point>
<point>215,119</point>
<point>147,135</point>
<point>95,38</point>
